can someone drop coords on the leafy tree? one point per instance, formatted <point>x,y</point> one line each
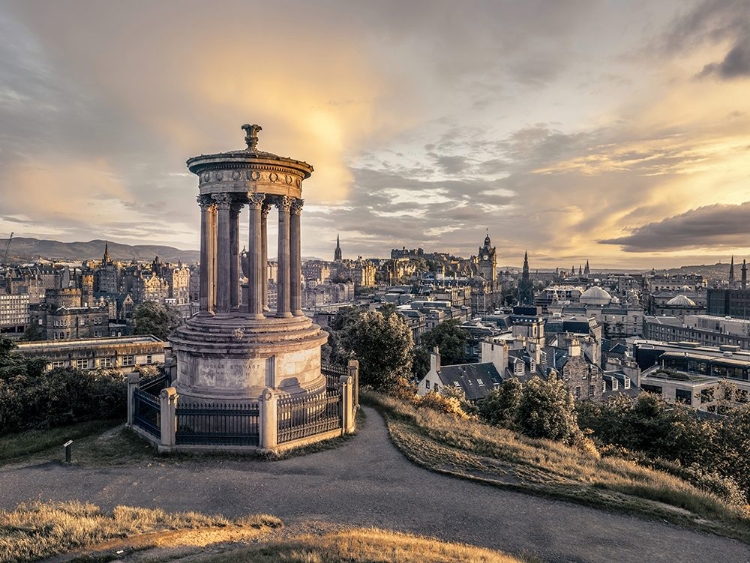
<point>12,363</point>
<point>547,410</point>
<point>500,407</point>
<point>383,345</point>
<point>450,338</point>
<point>154,318</point>
<point>420,362</point>
<point>33,333</point>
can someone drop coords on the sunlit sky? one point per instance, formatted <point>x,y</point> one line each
<point>617,132</point>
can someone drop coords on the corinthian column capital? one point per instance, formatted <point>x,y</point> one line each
<point>265,210</point>
<point>255,200</point>
<point>223,201</point>
<point>284,204</point>
<point>204,201</point>
<point>297,206</point>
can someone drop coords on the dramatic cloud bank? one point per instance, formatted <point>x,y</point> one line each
<point>573,130</point>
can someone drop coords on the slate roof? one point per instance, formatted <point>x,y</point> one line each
<point>476,380</point>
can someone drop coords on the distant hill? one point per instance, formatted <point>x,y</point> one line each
<point>30,249</point>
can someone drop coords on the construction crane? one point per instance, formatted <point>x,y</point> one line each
<point>7,248</point>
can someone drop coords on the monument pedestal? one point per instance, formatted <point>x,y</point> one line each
<point>233,357</point>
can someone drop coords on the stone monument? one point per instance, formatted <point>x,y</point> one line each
<point>235,347</point>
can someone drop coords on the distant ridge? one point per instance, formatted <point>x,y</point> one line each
<point>30,249</point>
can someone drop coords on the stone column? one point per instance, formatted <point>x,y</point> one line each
<point>256,271</point>
<point>264,251</point>
<point>212,213</point>
<point>295,270</point>
<point>205,270</point>
<point>134,381</point>
<point>223,258</point>
<point>353,366</point>
<point>269,424</point>
<point>347,405</point>
<point>234,247</point>
<point>168,418</point>
<point>283,204</point>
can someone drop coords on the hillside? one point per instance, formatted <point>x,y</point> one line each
<point>30,249</point>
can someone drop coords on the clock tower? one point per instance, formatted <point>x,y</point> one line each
<point>488,262</point>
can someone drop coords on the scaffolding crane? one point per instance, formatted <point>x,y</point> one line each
<point>7,248</point>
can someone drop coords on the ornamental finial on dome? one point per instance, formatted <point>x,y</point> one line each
<point>251,136</point>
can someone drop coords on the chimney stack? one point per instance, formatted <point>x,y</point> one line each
<point>435,360</point>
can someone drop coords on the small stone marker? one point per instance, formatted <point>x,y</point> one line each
<point>68,450</point>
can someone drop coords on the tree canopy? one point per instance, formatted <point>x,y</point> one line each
<point>154,318</point>
<point>381,341</point>
<point>450,338</point>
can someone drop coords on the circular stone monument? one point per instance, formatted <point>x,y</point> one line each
<point>236,347</point>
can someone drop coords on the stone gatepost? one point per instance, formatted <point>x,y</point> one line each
<point>347,404</point>
<point>268,419</point>
<point>168,401</point>
<point>133,384</point>
<point>354,374</point>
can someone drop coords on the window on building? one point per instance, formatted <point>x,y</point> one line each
<point>128,360</point>
<point>707,395</point>
<point>437,388</point>
<point>149,359</point>
<point>578,392</point>
<point>427,383</point>
<point>106,362</point>
<point>58,364</point>
<point>592,390</point>
<point>82,363</point>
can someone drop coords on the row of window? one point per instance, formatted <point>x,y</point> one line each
<point>90,363</point>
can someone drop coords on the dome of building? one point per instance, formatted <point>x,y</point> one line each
<point>596,296</point>
<point>681,301</point>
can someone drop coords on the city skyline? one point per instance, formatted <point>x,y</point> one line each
<point>592,131</point>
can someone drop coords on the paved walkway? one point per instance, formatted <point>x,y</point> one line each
<point>367,482</point>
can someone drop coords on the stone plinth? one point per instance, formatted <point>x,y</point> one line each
<point>234,357</point>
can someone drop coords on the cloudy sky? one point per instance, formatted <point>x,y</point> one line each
<point>612,131</point>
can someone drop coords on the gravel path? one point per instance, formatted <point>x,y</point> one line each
<point>367,482</point>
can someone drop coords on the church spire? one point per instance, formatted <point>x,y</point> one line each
<point>337,252</point>
<point>731,270</point>
<point>107,259</point>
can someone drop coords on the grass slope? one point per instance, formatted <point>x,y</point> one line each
<point>74,531</point>
<point>362,546</point>
<point>38,530</point>
<point>496,456</point>
<point>32,442</point>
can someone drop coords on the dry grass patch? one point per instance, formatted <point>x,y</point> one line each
<point>504,458</point>
<point>362,546</point>
<point>37,530</point>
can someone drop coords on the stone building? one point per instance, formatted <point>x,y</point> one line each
<point>317,271</point>
<point>150,288</point>
<point>14,314</point>
<point>124,353</point>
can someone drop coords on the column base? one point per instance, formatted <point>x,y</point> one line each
<point>257,316</point>
<point>298,313</point>
<point>287,315</point>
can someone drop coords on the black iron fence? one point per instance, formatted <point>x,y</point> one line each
<point>223,424</point>
<point>155,384</point>
<point>147,412</point>
<point>332,374</point>
<point>308,415</point>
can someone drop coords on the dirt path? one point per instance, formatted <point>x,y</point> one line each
<point>367,482</point>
